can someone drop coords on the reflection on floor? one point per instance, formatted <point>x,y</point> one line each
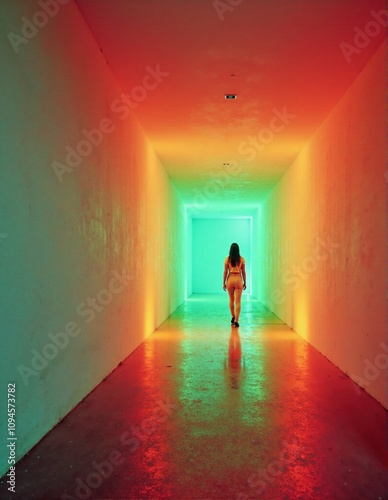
<point>202,410</point>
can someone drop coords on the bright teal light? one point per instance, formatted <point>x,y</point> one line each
<point>211,240</point>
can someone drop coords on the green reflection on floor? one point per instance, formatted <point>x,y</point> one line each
<point>223,368</point>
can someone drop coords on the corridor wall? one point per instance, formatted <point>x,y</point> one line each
<point>211,240</point>
<point>91,226</point>
<point>324,236</point>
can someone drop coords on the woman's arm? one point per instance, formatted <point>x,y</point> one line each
<point>244,275</point>
<point>226,269</point>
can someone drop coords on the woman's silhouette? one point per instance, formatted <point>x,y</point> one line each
<point>234,281</point>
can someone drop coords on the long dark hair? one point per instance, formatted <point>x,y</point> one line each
<point>234,254</point>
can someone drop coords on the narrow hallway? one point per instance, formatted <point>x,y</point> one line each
<point>140,141</point>
<point>202,410</point>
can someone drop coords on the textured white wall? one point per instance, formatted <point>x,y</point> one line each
<point>325,235</point>
<point>94,262</point>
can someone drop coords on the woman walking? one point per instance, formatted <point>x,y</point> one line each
<point>234,281</point>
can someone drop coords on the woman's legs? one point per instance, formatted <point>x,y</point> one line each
<point>237,296</point>
<point>231,300</point>
<point>234,287</point>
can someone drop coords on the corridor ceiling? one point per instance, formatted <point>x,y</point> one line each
<point>288,61</point>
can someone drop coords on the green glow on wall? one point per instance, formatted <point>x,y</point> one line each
<point>211,240</point>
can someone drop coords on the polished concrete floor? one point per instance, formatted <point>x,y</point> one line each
<point>202,410</point>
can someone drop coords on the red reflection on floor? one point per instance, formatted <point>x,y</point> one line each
<point>202,410</point>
